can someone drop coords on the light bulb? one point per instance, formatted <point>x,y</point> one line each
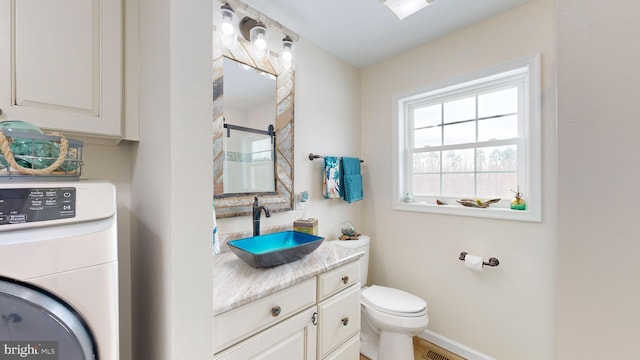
<point>226,28</point>
<point>258,35</point>
<point>260,44</point>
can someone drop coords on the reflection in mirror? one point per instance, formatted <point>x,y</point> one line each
<point>249,110</point>
<point>249,160</point>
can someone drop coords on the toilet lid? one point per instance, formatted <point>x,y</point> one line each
<point>393,301</point>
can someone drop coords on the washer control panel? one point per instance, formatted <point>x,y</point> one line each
<point>22,205</point>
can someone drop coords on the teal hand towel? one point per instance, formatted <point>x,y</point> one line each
<point>331,178</point>
<point>351,180</point>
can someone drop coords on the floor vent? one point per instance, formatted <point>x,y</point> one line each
<point>429,351</point>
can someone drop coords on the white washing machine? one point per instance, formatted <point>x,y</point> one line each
<point>58,271</point>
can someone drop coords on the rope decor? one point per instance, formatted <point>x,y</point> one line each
<point>5,144</point>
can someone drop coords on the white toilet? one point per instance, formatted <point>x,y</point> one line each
<point>390,317</point>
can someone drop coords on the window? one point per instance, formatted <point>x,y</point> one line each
<point>477,138</point>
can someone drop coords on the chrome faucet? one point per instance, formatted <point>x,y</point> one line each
<point>257,210</point>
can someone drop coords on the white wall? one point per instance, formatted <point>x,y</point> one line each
<point>598,177</point>
<point>113,163</point>
<point>327,122</point>
<point>171,184</point>
<point>506,312</point>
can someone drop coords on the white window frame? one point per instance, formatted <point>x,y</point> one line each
<point>529,148</point>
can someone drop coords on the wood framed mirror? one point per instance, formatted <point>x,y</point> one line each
<point>240,203</point>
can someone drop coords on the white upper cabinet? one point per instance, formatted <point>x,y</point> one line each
<point>61,65</point>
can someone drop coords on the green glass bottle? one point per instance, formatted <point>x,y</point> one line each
<point>518,202</point>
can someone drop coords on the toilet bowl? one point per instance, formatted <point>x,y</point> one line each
<point>390,318</point>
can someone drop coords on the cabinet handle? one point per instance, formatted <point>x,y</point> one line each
<point>275,311</point>
<point>0,111</point>
<point>345,321</point>
<point>345,279</point>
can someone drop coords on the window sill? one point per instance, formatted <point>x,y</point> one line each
<point>459,210</point>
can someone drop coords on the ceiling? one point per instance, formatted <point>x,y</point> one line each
<point>365,32</point>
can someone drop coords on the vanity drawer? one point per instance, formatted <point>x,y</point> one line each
<point>338,319</point>
<point>239,323</point>
<point>338,279</point>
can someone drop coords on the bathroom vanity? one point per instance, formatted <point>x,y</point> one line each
<point>307,309</point>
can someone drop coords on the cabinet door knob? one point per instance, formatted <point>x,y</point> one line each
<point>275,311</point>
<point>345,321</point>
<point>345,279</point>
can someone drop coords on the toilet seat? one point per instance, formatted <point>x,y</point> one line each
<point>393,301</point>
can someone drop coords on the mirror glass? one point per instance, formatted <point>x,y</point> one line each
<point>254,152</point>
<point>248,160</point>
<point>249,113</point>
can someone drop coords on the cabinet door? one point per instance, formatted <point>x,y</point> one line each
<point>339,319</point>
<point>349,351</point>
<point>294,338</point>
<point>61,64</point>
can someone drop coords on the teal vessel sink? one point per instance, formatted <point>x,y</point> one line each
<point>274,249</point>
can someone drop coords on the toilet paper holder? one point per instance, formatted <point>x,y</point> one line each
<point>493,262</point>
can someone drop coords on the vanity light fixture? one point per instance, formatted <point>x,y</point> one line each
<point>227,25</point>
<point>255,28</point>
<point>404,8</point>
<point>287,52</point>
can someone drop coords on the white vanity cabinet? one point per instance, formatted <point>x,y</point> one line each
<point>61,65</point>
<point>318,318</point>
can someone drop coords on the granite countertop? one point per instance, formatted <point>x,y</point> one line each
<point>235,283</point>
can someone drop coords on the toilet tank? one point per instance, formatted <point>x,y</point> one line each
<point>362,244</point>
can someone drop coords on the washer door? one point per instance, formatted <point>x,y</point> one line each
<point>29,316</point>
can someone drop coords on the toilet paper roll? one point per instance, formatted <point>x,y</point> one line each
<point>473,262</point>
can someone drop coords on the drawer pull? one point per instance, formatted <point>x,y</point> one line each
<point>275,311</point>
<point>345,321</point>
<point>345,279</point>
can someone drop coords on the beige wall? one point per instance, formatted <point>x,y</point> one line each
<point>506,312</point>
<point>327,122</point>
<point>171,184</point>
<point>598,177</point>
<point>112,163</point>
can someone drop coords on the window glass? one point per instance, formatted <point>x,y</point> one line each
<point>498,128</point>
<point>497,185</point>
<point>427,137</point>
<point>426,184</point>
<point>427,116</point>
<point>458,110</point>
<point>458,185</point>
<point>458,161</point>
<point>428,162</point>
<point>498,103</point>
<point>499,158</point>
<point>460,133</point>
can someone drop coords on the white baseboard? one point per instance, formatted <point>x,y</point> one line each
<point>453,346</point>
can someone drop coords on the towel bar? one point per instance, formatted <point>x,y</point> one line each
<point>313,156</point>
